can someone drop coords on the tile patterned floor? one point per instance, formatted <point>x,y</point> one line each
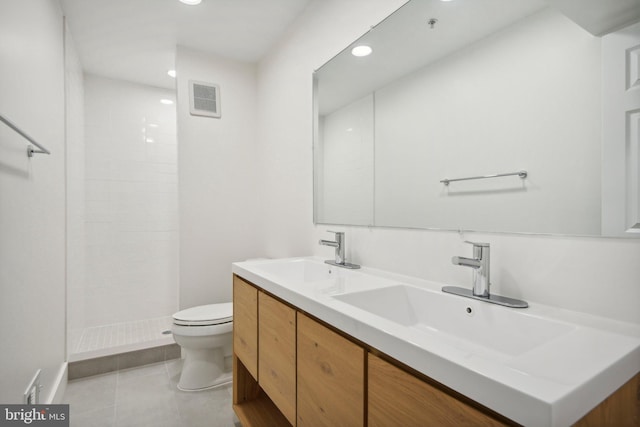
<point>120,334</point>
<point>146,397</point>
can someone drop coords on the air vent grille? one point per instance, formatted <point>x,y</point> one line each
<point>204,99</point>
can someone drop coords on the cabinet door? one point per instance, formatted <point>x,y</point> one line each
<point>330,377</point>
<point>397,398</point>
<point>277,355</point>
<point>245,324</point>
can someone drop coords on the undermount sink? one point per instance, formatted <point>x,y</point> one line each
<point>298,270</point>
<point>497,329</point>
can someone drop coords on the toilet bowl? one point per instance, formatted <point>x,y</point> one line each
<point>205,335</point>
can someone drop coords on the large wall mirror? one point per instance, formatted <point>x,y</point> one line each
<point>464,89</point>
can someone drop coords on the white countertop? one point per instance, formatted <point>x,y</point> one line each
<point>552,384</point>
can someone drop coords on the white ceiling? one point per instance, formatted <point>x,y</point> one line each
<point>600,17</point>
<point>135,40</point>
<point>405,42</point>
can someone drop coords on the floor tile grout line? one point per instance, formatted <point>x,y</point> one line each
<point>115,398</point>
<point>180,414</point>
<point>178,402</point>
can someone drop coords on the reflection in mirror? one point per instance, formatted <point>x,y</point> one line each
<point>493,86</point>
<point>344,165</point>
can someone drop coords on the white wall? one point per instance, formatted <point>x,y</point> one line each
<point>596,275</point>
<point>600,276</point>
<point>477,112</point>
<point>131,202</point>
<point>32,197</point>
<point>219,222</point>
<point>285,116</point>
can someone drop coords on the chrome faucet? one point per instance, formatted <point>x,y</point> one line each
<point>339,245</point>
<point>480,263</point>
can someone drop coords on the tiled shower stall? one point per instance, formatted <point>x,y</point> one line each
<point>123,278</point>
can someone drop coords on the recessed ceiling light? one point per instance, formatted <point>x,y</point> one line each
<point>166,101</point>
<point>361,50</point>
<point>191,2</point>
<point>172,73</point>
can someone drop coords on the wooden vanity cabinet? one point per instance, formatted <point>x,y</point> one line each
<point>292,370</point>
<point>263,358</point>
<point>331,377</point>
<point>397,398</point>
<point>277,353</point>
<point>620,409</point>
<point>245,324</point>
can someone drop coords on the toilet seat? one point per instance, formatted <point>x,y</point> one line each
<point>205,315</point>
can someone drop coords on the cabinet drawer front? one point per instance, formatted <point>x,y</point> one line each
<point>330,377</point>
<point>245,324</point>
<point>277,355</point>
<point>397,398</point>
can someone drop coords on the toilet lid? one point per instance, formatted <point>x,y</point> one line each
<point>203,315</point>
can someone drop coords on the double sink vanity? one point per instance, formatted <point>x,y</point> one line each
<point>406,138</point>
<point>316,344</point>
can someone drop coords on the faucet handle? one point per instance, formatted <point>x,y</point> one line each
<point>477,244</point>
<point>336,232</point>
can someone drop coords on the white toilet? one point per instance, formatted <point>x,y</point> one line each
<point>205,335</point>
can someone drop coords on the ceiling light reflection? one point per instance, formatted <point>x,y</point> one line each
<point>361,50</point>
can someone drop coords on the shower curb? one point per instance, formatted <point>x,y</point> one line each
<point>115,362</point>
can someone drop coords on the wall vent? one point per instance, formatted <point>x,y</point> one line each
<point>204,99</point>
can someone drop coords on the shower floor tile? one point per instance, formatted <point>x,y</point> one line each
<point>118,337</point>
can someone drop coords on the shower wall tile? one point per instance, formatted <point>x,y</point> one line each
<point>75,186</point>
<point>131,202</point>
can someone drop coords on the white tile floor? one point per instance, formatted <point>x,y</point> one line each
<point>146,396</point>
